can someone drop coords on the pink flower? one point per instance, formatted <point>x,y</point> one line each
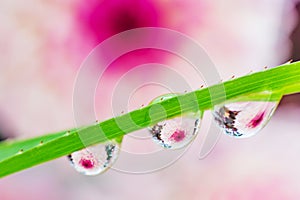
<point>99,20</point>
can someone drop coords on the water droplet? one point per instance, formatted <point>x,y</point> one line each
<point>177,132</point>
<point>243,119</point>
<point>95,159</point>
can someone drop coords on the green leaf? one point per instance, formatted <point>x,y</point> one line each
<point>19,155</point>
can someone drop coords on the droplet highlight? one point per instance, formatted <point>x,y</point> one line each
<point>95,159</point>
<point>243,119</point>
<point>177,132</point>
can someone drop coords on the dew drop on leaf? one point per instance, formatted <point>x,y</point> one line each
<point>243,119</point>
<point>177,132</point>
<point>95,159</point>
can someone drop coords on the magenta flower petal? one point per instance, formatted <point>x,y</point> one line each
<point>109,17</point>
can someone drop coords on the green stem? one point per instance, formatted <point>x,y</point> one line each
<point>19,155</point>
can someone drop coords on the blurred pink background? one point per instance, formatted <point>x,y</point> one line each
<point>43,44</point>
